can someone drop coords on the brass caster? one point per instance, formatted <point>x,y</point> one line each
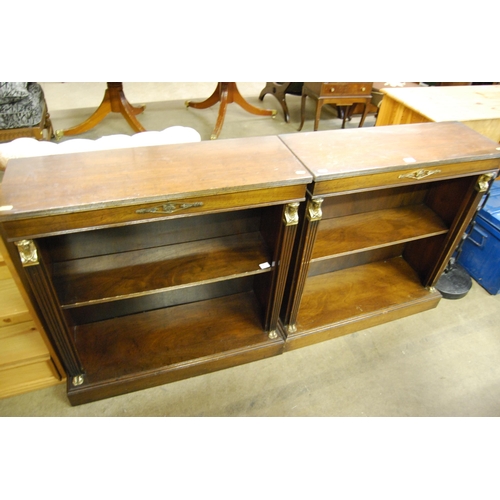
<point>274,114</point>
<point>78,380</point>
<point>186,103</point>
<point>59,134</point>
<point>273,335</point>
<point>213,137</point>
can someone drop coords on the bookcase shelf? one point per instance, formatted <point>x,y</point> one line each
<point>361,232</point>
<point>119,276</point>
<point>161,344</point>
<point>359,292</point>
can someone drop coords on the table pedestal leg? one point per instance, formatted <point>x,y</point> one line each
<point>114,101</point>
<point>226,93</point>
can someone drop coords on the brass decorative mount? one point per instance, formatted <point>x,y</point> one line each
<point>419,174</point>
<point>314,212</point>
<point>169,208</point>
<point>28,252</point>
<point>291,215</point>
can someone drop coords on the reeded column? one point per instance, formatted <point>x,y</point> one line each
<point>301,267</point>
<point>284,247</point>
<point>46,297</point>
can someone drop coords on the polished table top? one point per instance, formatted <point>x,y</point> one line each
<point>454,103</point>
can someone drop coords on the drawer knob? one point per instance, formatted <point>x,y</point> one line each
<point>363,89</point>
<point>332,89</point>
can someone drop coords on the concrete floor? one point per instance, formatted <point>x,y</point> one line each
<point>442,362</point>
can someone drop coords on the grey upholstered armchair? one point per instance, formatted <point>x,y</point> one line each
<point>23,111</point>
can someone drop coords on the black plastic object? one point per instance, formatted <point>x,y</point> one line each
<point>455,282</point>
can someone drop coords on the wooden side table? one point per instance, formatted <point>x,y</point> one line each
<point>343,94</point>
<point>114,101</point>
<point>226,93</point>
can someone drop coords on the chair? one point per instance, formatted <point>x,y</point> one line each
<point>279,90</point>
<point>23,112</point>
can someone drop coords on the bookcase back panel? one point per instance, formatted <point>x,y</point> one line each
<point>369,201</point>
<point>324,266</point>
<point>447,197</point>
<point>155,234</point>
<point>118,276</point>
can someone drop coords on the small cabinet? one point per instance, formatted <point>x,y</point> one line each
<point>174,264</point>
<point>384,215</point>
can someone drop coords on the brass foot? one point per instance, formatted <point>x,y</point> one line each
<point>59,134</point>
<point>273,335</point>
<point>78,380</point>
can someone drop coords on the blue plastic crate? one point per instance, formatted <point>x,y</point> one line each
<point>480,254</point>
<point>491,211</point>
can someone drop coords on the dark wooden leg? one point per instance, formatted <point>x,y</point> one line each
<point>302,110</point>
<point>278,91</point>
<point>114,101</point>
<point>268,89</point>
<point>365,112</point>
<point>344,114</point>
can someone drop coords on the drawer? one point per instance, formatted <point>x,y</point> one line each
<point>345,88</point>
<point>23,346</point>
<point>27,378</point>
<point>4,271</point>
<point>401,177</point>
<point>12,306</point>
<point>168,208</point>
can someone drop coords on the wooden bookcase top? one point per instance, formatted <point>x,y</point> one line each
<point>104,179</point>
<point>356,152</point>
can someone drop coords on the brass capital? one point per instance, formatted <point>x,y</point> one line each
<point>314,209</point>
<point>483,183</point>
<point>27,252</point>
<point>291,216</point>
